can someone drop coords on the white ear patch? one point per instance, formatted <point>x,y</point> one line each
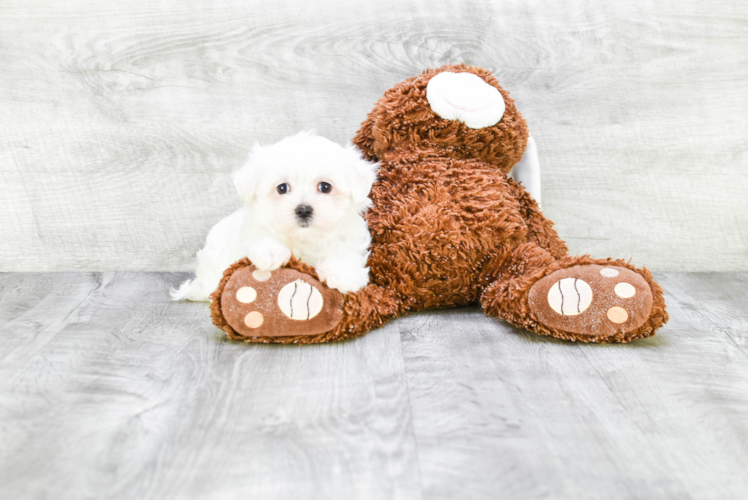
<point>465,97</point>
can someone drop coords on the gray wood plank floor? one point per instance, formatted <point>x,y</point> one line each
<point>109,390</point>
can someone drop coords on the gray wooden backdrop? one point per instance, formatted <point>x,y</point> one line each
<point>122,120</point>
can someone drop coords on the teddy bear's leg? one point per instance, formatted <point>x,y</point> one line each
<point>290,305</point>
<point>575,298</point>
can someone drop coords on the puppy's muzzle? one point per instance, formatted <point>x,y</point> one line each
<point>304,214</point>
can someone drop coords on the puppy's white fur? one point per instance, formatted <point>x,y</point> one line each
<point>335,240</point>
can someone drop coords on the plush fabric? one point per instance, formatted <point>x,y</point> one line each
<point>449,229</point>
<point>268,304</point>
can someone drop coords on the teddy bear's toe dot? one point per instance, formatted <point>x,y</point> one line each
<point>625,290</point>
<point>246,294</point>
<point>253,319</point>
<point>570,296</point>
<point>300,300</point>
<point>608,272</point>
<point>617,315</point>
<point>261,275</point>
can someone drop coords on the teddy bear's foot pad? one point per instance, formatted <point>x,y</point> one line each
<point>279,303</point>
<point>596,302</point>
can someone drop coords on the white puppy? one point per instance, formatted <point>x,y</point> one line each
<point>303,196</point>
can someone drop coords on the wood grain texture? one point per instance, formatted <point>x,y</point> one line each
<point>109,390</point>
<point>502,413</point>
<point>123,120</point>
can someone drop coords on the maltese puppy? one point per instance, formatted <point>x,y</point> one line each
<point>304,196</point>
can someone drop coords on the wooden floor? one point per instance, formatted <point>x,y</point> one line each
<point>108,390</point>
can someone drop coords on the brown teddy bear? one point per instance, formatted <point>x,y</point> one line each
<point>449,229</point>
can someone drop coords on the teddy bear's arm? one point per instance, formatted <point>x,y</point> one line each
<point>527,171</point>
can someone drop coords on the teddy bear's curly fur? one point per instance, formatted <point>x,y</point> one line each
<point>450,229</point>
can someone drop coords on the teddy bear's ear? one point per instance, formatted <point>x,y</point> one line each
<point>245,179</point>
<point>362,176</point>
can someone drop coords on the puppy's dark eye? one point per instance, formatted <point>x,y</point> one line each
<point>324,187</point>
<point>283,188</point>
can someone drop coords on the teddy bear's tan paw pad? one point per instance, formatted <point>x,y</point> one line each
<point>280,303</point>
<point>593,300</point>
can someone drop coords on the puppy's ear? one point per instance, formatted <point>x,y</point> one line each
<point>245,179</point>
<point>363,174</point>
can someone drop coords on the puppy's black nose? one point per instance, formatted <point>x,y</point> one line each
<point>304,212</point>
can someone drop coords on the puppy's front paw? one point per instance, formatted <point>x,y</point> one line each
<point>269,255</point>
<point>342,277</point>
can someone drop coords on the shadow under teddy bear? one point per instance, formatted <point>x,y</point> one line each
<point>449,229</point>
